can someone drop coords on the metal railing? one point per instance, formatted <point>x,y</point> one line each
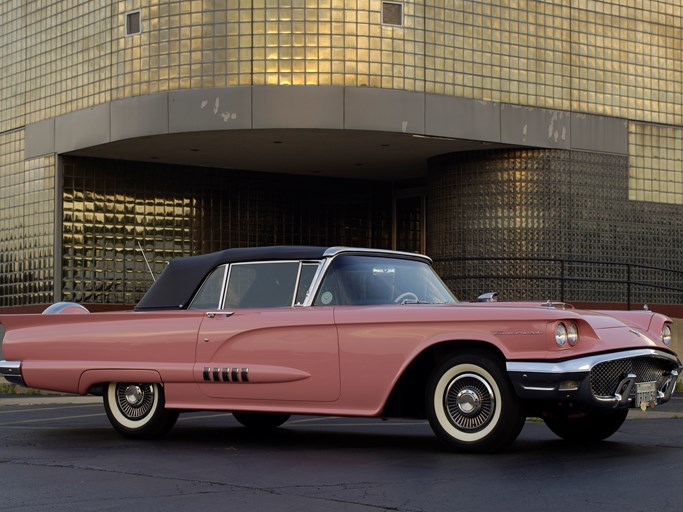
<point>562,279</point>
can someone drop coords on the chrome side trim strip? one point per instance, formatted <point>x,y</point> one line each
<point>533,388</point>
<point>210,374</point>
<point>584,364</point>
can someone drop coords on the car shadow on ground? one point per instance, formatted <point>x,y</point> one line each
<point>371,440</point>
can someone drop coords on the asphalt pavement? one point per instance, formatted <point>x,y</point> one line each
<point>59,454</point>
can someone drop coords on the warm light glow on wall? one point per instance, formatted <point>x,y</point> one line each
<point>611,57</point>
<point>656,163</point>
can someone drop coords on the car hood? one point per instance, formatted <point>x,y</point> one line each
<point>599,319</point>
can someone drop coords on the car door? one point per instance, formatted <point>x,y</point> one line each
<point>259,346</point>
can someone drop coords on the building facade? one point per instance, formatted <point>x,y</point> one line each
<point>533,147</point>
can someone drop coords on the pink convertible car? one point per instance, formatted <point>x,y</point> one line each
<point>270,332</point>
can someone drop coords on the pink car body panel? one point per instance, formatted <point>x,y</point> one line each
<point>57,349</point>
<point>328,360</point>
<point>289,354</point>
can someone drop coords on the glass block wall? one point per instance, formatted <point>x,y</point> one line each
<point>516,221</point>
<point>613,58</point>
<point>656,163</point>
<point>27,202</point>
<point>112,209</point>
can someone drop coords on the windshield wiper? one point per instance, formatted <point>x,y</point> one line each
<point>413,301</point>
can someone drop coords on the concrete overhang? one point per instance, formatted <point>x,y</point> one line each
<point>328,131</point>
<point>339,153</point>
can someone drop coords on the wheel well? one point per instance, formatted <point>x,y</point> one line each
<point>90,380</point>
<point>407,398</point>
<point>97,389</point>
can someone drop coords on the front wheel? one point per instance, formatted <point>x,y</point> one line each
<point>471,404</point>
<point>590,428</point>
<point>137,409</point>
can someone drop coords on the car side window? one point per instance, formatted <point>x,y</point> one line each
<point>306,276</point>
<point>209,295</point>
<point>261,285</point>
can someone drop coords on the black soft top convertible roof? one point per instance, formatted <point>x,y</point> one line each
<point>181,279</point>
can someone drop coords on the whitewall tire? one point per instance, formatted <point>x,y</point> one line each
<point>137,409</point>
<point>471,404</point>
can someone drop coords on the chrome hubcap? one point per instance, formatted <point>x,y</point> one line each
<point>135,401</point>
<point>134,395</point>
<point>469,402</point>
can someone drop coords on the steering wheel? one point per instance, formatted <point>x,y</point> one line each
<point>406,295</point>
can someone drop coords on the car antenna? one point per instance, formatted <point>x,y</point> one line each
<point>147,262</point>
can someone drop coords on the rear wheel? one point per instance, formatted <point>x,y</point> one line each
<point>260,420</point>
<point>137,409</point>
<point>471,404</point>
<point>589,428</point>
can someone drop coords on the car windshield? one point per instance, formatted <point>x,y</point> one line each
<point>366,280</point>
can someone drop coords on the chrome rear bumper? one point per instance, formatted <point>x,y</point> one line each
<point>11,371</point>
